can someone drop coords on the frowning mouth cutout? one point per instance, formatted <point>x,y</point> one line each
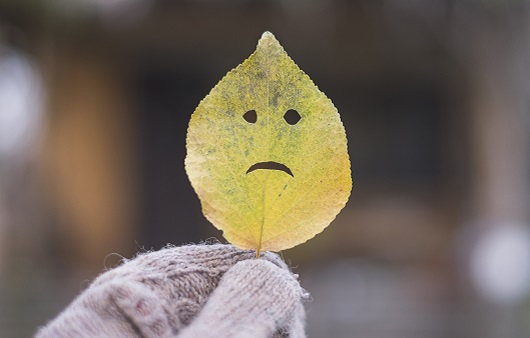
<point>271,165</point>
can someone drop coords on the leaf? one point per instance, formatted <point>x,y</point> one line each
<point>267,153</point>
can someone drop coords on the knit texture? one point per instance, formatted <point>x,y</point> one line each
<point>189,291</point>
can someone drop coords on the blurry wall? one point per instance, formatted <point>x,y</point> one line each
<point>88,159</point>
<point>434,96</point>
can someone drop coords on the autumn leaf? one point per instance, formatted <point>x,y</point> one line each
<point>267,153</point>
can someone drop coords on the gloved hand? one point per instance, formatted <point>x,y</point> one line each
<point>190,291</point>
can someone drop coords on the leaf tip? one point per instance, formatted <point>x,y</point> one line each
<point>268,41</point>
<point>267,35</point>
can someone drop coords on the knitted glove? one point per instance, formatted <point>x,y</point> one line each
<point>191,291</point>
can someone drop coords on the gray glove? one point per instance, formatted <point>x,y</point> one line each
<point>189,291</point>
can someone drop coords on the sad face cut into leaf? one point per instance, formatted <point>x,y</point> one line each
<point>267,153</point>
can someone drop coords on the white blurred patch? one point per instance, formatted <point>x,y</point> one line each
<point>20,103</point>
<point>500,264</point>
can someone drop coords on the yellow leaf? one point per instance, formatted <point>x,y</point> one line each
<point>267,153</point>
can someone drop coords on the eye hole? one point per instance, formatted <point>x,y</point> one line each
<point>292,117</point>
<point>251,116</point>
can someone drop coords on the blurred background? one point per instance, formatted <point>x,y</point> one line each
<point>95,97</point>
